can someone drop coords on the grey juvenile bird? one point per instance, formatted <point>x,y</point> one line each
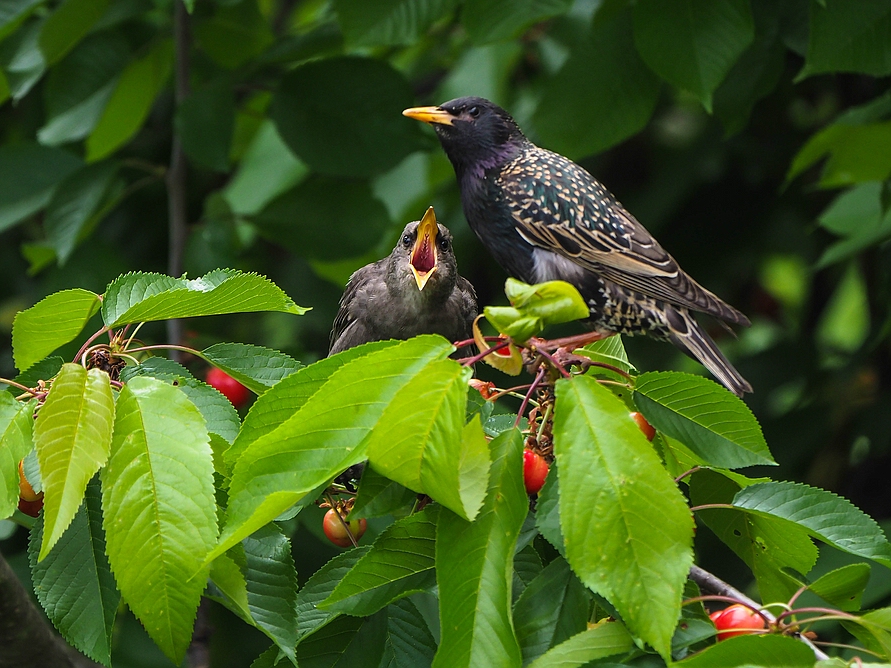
<point>543,217</point>
<point>415,290</point>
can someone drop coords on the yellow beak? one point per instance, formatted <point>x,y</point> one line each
<point>432,115</point>
<point>423,260</point>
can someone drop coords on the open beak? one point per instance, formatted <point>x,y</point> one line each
<point>423,254</point>
<point>432,115</point>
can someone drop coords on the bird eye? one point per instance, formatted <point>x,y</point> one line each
<point>474,111</point>
<point>443,244</point>
<point>406,239</point>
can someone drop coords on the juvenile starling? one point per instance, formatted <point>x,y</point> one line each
<point>543,217</point>
<point>415,290</point>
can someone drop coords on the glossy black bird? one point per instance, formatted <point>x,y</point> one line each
<point>543,217</point>
<point>415,290</point>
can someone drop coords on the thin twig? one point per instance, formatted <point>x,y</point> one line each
<point>538,378</point>
<point>470,361</point>
<point>554,363</point>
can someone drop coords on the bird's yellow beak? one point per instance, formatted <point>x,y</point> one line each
<point>423,254</point>
<point>432,115</point>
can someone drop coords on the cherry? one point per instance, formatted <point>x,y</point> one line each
<point>234,391</point>
<point>535,470</point>
<point>26,492</point>
<point>31,508</point>
<point>336,532</point>
<point>645,426</point>
<point>736,620</point>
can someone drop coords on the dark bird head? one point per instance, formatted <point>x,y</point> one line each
<point>424,258</point>
<point>475,133</point>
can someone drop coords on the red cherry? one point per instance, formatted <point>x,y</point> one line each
<point>234,391</point>
<point>535,470</point>
<point>736,620</point>
<point>31,508</point>
<point>336,531</point>
<point>26,492</point>
<point>645,426</point>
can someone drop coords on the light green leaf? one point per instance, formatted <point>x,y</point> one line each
<point>321,439</point>
<point>533,307</point>
<point>857,153</point>
<point>378,495</point>
<point>767,651</point>
<point>825,515</point>
<point>309,111</point>
<point>131,101</point>
<point>496,20</point>
<point>73,435</point>
<point>474,568</point>
<point>854,38</point>
<point>843,587</point>
<point>627,528</point>
<point>50,323</point>
<point>389,22</point>
<point>272,585</point>
<point>610,350</point>
<point>692,44</point>
<point>605,639</point>
<point>553,607</point>
<point>66,26</point>
<point>160,513</point>
<point>15,442</point>
<point>421,441</point>
<point>255,367</point>
<point>319,587</point>
<point>140,297</point>
<point>74,584</point>
<point>858,216</point>
<point>399,563</point>
<point>226,575</point>
<point>28,175</point>
<point>716,425</point>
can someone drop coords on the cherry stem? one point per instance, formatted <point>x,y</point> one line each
<point>168,346</point>
<point>795,596</point>
<point>544,421</point>
<point>538,378</point>
<point>578,340</point>
<point>686,473</point>
<point>467,342</point>
<point>18,386</point>
<point>833,614</point>
<point>554,363</point>
<point>87,344</point>
<point>711,506</point>
<point>470,361</point>
<point>511,391</point>
<point>824,643</point>
<point>610,367</point>
<point>345,524</point>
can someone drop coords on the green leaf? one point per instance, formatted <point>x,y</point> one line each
<point>627,528</point>
<point>843,587</point>
<point>141,297</point>
<point>547,511</point>
<point>325,109</point>
<point>533,307</point>
<point>825,515</point>
<point>160,513</point>
<point>66,26</point>
<point>235,33</point>
<point>849,39</point>
<point>421,441</point>
<point>50,323</point>
<point>75,205</point>
<point>15,442</point>
<point>255,367</point>
<point>43,370</point>
<point>74,584</point>
<point>319,587</point>
<point>606,93</point>
<point>874,630</point>
<point>205,122</point>
<point>605,639</point>
<point>495,20</point>
<point>227,576</point>
<point>551,609</point>
<point>278,404</point>
<point>692,44</point>
<point>409,642</point>
<point>346,641</point>
<point>610,350</point>
<point>474,568</point>
<point>329,209</point>
<point>378,495</point>
<point>768,545</point>
<point>716,425</point>
<point>131,101</point>
<point>858,216</point>
<point>749,651</point>
<point>323,437</point>
<point>73,435</point>
<point>398,564</point>
<point>28,175</point>
<point>857,153</point>
<point>272,586</point>
<point>389,22</point>
<point>13,11</point>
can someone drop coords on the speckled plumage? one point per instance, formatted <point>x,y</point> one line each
<point>543,217</point>
<point>381,300</point>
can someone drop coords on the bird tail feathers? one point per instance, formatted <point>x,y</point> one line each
<point>695,342</point>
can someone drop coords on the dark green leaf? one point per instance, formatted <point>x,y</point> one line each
<point>29,173</point>
<point>378,495</point>
<point>409,641</point>
<point>343,116</point>
<point>235,33</point>
<point>205,122</point>
<point>66,26</point>
<point>255,367</point>
<point>13,11</point>
<point>474,568</point>
<point>547,512</point>
<point>389,22</point>
<point>605,639</point>
<point>849,39</point>
<point>319,587</point>
<point>843,587</point>
<point>494,20</point>
<point>74,583</point>
<point>767,651</point>
<point>346,641</point>
<point>627,528</point>
<point>857,153</point>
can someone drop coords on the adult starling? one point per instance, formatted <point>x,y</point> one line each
<point>415,290</point>
<point>543,217</point>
